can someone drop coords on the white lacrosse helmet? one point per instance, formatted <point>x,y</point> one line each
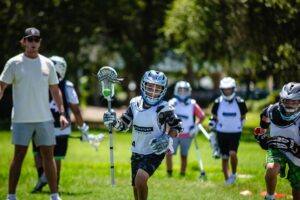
<point>60,65</point>
<point>228,83</point>
<point>290,91</point>
<point>150,93</point>
<point>182,90</point>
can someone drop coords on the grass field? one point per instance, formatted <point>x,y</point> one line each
<point>86,173</point>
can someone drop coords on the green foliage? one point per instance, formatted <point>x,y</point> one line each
<point>258,105</point>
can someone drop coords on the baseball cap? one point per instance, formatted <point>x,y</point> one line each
<point>29,32</point>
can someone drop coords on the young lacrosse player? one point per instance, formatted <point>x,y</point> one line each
<point>228,116</point>
<point>32,75</point>
<point>71,103</point>
<point>283,143</point>
<point>187,110</point>
<point>153,124</point>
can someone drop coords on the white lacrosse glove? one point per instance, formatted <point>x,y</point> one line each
<point>109,118</point>
<point>214,145</point>
<point>194,131</point>
<point>84,129</point>
<point>160,144</point>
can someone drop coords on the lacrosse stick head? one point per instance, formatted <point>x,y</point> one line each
<point>107,76</point>
<point>95,140</point>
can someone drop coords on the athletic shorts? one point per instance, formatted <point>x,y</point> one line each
<point>275,156</point>
<point>42,133</point>
<point>148,163</point>
<point>184,144</point>
<point>60,149</point>
<point>228,142</point>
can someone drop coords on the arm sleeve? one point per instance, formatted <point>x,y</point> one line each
<point>243,108</point>
<point>199,112</point>
<point>215,107</point>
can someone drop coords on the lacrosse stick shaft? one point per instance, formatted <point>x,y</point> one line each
<point>198,155</point>
<point>111,147</point>
<point>202,129</point>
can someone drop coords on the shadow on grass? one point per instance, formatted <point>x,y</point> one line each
<point>67,193</point>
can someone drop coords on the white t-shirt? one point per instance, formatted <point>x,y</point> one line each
<point>30,79</point>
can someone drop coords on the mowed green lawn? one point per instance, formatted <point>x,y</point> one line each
<point>86,173</point>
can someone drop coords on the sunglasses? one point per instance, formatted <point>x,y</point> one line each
<point>35,39</point>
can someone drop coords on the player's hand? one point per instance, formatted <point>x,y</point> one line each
<point>212,124</point>
<point>63,122</point>
<point>283,143</point>
<point>261,137</point>
<point>109,118</point>
<point>84,129</point>
<point>160,144</point>
<point>194,131</point>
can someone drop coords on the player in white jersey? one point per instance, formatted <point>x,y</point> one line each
<point>283,142</point>
<point>228,116</point>
<point>71,103</point>
<point>153,124</point>
<point>187,110</point>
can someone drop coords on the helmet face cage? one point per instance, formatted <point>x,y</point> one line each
<point>289,107</point>
<point>153,87</point>
<point>228,83</point>
<point>182,90</point>
<point>60,65</point>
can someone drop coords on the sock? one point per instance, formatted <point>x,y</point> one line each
<point>270,196</point>
<point>54,195</point>
<point>40,171</point>
<point>169,172</point>
<point>11,196</point>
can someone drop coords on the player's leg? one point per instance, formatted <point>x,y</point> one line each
<point>234,140</point>
<point>294,179</point>
<point>274,161</point>
<point>141,180</point>
<point>296,193</point>
<point>60,151</point>
<point>142,167</point>
<point>169,156</point>
<point>185,144</point>
<point>224,151</point>
<point>21,136</point>
<point>45,140</point>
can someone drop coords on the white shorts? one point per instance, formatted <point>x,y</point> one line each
<point>41,132</point>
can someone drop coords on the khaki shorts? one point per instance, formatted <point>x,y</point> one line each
<point>42,133</point>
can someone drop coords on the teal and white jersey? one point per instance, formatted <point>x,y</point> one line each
<point>229,117</point>
<point>145,125</point>
<point>280,127</point>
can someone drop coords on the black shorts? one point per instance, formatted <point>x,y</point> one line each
<point>148,163</point>
<point>228,142</point>
<point>60,149</point>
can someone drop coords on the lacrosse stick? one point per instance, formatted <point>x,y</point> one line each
<point>202,129</point>
<point>107,77</point>
<point>94,140</point>
<point>212,138</point>
<point>202,172</point>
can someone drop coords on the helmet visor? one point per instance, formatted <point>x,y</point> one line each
<point>153,91</point>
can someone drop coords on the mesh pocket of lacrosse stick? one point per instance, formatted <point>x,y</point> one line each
<point>95,140</point>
